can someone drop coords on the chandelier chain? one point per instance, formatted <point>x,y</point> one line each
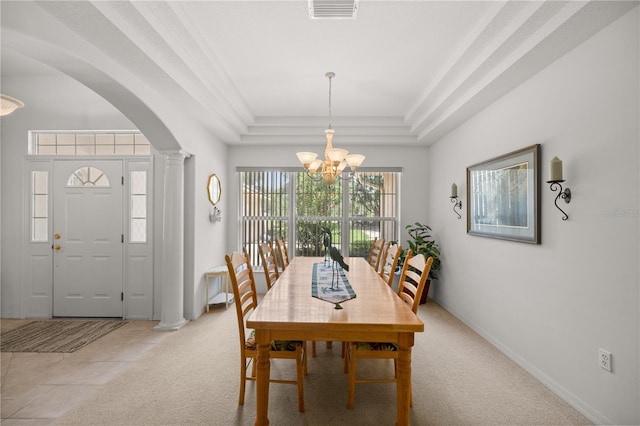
<point>329,102</point>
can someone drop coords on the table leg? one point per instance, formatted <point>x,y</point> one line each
<point>262,378</point>
<point>404,378</point>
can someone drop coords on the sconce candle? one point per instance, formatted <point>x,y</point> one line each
<point>457,204</point>
<point>555,170</point>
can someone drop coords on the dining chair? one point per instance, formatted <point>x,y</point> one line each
<point>246,297</point>
<point>282,253</point>
<point>269,263</point>
<point>376,253</point>
<point>389,262</point>
<point>412,281</point>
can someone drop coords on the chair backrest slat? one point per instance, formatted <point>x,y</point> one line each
<point>282,253</point>
<point>269,263</point>
<point>389,262</point>
<point>244,288</point>
<point>376,253</point>
<point>413,278</point>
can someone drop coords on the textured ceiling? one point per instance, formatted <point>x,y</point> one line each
<point>407,72</point>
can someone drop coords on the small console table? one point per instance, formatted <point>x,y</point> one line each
<point>222,297</point>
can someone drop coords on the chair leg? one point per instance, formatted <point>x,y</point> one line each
<point>351,354</point>
<point>254,367</point>
<point>299,375</point>
<point>243,379</point>
<point>313,348</point>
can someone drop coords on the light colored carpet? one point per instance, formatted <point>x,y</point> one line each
<point>192,378</point>
<point>62,336</point>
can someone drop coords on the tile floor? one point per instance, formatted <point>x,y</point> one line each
<point>38,388</point>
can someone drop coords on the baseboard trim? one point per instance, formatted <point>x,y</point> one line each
<point>570,398</point>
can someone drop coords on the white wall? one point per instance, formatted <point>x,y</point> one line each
<point>205,242</point>
<point>413,160</point>
<point>551,306</point>
<point>83,109</point>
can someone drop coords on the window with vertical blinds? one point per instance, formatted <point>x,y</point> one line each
<point>289,204</point>
<point>264,208</point>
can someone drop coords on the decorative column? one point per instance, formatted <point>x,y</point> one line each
<point>172,291</point>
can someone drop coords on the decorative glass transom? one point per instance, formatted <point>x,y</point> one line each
<point>75,143</point>
<point>88,176</point>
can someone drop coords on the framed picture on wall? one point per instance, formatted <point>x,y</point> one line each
<point>503,196</point>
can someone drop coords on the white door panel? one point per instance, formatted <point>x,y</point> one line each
<point>87,217</point>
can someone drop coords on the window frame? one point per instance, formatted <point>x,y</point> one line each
<point>291,221</point>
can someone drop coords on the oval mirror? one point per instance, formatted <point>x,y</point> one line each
<point>214,189</point>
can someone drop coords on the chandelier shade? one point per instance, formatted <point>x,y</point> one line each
<point>9,104</point>
<point>336,160</point>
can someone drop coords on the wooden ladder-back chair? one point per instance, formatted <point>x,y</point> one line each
<point>282,253</point>
<point>375,254</point>
<point>389,262</point>
<point>412,281</point>
<point>246,300</point>
<point>269,263</point>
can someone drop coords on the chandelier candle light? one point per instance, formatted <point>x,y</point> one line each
<point>335,159</point>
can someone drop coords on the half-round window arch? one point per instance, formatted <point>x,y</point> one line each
<point>88,176</point>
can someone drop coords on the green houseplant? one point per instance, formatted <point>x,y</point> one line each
<point>421,241</point>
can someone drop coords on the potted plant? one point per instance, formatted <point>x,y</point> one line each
<point>422,241</point>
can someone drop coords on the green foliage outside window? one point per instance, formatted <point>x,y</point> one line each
<point>370,211</point>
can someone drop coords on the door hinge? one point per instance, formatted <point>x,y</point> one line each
<point>122,180</point>
<point>122,297</point>
<point>122,238</point>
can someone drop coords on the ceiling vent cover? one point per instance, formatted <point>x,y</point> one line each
<point>333,9</point>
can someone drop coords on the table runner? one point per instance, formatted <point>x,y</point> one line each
<point>321,284</point>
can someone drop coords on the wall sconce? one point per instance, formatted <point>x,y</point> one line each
<point>454,199</point>
<point>215,215</point>
<point>555,181</point>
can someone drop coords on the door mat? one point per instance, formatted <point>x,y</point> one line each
<point>63,336</point>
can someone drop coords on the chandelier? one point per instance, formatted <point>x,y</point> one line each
<point>9,104</point>
<point>335,159</point>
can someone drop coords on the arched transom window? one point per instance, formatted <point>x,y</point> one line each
<point>88,176</point>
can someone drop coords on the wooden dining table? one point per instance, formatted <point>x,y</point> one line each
<point>289,312</point>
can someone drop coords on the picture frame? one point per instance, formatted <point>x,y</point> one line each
<point>503,196</point>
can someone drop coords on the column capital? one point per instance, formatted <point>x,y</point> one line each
<point>176,154</point>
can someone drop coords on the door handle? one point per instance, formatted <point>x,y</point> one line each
<point>57,246</point>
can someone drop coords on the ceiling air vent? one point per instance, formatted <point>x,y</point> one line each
<point>333,9</point>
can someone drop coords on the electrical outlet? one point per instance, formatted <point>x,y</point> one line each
<point>604,359</point>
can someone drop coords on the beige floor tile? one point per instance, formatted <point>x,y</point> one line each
<point>55,403</point>
<point>5,360</point>
<point>86,373</point>
<point>28,367</point>
<point>38,388</point>
<point>20,396</point>
<point>28,422</point>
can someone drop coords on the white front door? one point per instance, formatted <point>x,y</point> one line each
<point>88,247</point>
